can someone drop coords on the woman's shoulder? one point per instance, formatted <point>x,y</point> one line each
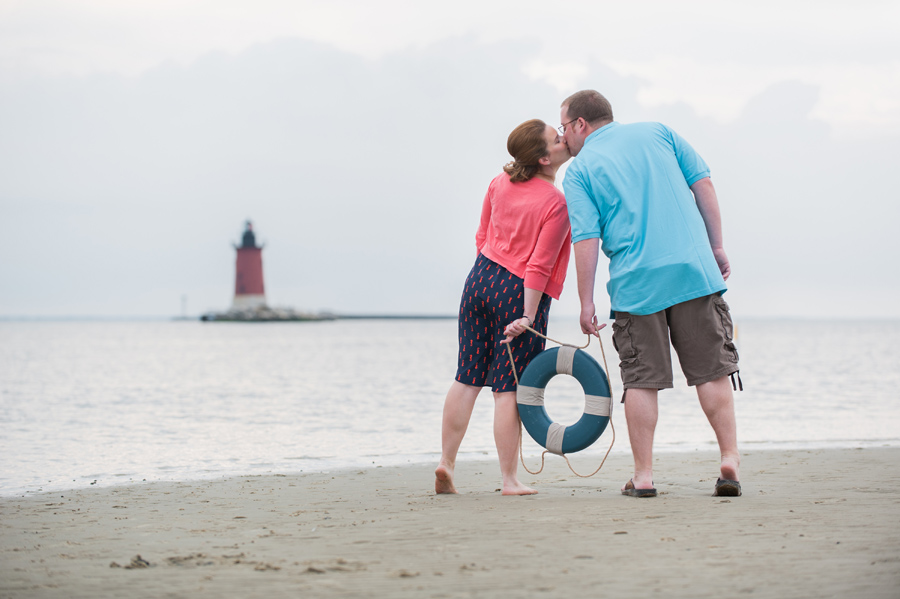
<point>536,189</point>
<point>500,182</point>
<point>547,189</point>
<point>502,178</point>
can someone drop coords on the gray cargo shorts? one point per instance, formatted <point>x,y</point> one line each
<point>701,331</point>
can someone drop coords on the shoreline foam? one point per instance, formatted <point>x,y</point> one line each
<point>329,465</point>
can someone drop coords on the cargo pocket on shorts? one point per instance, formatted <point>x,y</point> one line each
<point>624,344</point>
<point>727,328</point>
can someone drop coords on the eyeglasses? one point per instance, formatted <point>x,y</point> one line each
<point>562,128</point>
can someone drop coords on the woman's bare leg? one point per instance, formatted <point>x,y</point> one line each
<point>506,436</point>
<point>457,411</point>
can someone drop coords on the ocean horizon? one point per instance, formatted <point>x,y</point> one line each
<point>118,401</point>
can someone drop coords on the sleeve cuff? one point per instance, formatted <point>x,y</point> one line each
<point>583,236</point>
<point>536,281</point>
<point>697,177</point>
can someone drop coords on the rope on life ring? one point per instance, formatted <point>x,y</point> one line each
<point>555,438</point>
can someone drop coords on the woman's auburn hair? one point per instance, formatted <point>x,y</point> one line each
<point>526,144</point>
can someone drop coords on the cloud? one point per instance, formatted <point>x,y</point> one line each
<point>365,178</point>
<point>808,215</point>
<point>359,174</point>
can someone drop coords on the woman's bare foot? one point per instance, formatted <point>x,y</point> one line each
<point>518,488</point>
<point>443,480</point>
<point>730,468</point>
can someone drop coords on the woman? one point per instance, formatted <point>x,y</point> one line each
<point>523,252</point>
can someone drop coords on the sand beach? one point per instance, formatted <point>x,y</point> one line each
<point>811,523</point>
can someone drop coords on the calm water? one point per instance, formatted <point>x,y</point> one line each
<point>118,402</point>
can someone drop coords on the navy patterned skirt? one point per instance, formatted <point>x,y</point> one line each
<point>492,298</point>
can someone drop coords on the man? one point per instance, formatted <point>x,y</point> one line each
<point>646,193</point>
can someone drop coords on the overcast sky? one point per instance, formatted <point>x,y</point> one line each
<point>136,137</point>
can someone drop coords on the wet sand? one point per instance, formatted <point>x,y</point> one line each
<point>811,523</point>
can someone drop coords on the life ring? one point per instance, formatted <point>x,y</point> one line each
<point>557,438</point>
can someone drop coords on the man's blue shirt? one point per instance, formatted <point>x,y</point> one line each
<point>630,186</point>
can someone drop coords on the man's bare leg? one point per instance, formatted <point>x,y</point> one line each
<point>717,401</point>
<point>458,408</point>
<point>641,414</point>
<point>506,437</point>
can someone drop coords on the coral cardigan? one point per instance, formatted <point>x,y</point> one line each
<point>525,228</point>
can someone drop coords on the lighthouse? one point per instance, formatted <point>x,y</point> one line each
<point>249,291</point>
<point>249,303</point>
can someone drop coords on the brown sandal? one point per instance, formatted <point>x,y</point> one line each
<point>727,488</point>
<point>632,492</point>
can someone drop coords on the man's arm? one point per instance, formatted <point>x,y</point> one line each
<point>587,253</point>
<point>708,204</point>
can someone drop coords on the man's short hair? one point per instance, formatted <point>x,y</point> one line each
<point>589,105</point>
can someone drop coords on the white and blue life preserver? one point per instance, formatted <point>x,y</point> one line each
<point>557,438</point>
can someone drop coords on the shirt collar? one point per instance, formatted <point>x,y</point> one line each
<point>600,132</point>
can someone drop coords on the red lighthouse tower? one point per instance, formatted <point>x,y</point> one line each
<point>249,291</point>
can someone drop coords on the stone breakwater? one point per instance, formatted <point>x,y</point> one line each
<point>265,314</point>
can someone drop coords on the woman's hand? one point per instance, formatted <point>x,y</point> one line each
<point>516,328</point>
